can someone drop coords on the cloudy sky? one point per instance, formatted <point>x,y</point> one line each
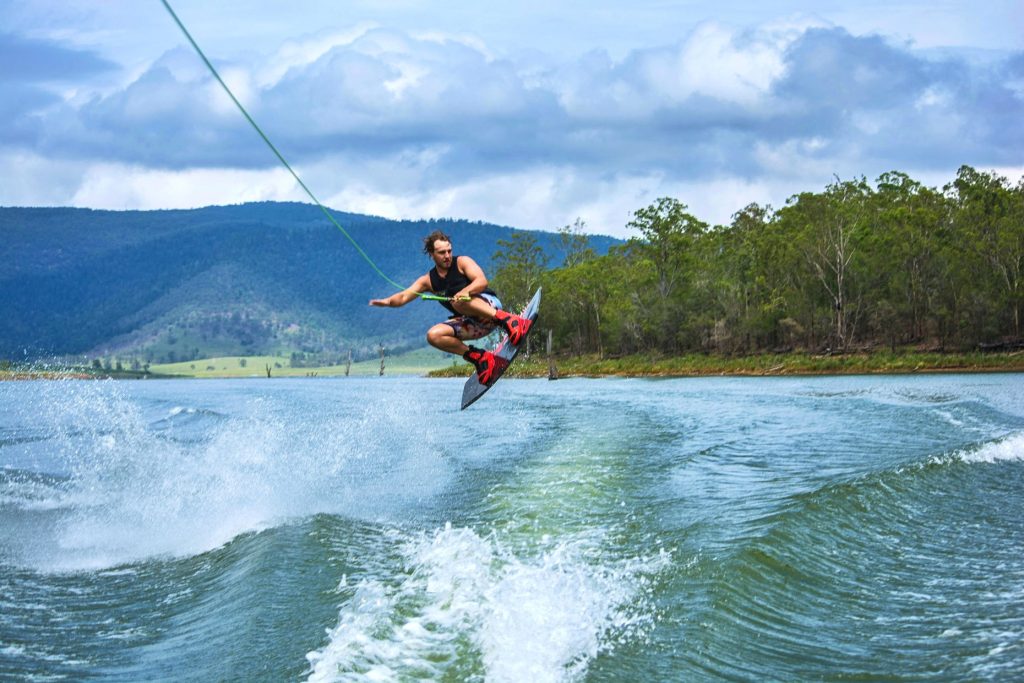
<point>528,113</point>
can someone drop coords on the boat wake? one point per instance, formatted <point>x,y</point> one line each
<point>467,609</point>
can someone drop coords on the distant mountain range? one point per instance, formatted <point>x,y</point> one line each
<point>251,279</point>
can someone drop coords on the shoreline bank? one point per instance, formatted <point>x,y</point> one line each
<point>775,365</point>
<point>694,365</point>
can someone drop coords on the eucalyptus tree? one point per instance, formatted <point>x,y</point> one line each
<point>747,287</point>
<point>908,243</point>
<point>666,264</point>
<point>520,262</point>
<point>829,230</point>
<point>989,213</point>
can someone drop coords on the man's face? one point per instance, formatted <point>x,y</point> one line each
<point>442,254</point>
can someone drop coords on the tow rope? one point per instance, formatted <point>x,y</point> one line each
<point>252,122</point>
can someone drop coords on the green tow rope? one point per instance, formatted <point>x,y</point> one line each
<point>432,297</point>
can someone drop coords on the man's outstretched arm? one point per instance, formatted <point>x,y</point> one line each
<point>422,284</point>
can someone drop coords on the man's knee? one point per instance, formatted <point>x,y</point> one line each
<point>437,333</point>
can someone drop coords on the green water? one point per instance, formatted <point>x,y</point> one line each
<point>859,528</point>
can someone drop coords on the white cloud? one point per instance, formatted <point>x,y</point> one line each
<point>301,52</point>
<point>242,87</point>
<point>935,96</point>
<point>526,196</point>
<point>425,123</point>
<point>118,186</point>
<point>473,42</point>
<point>31,179</point>
<point>728,65</point>
<point>549,198</point>
<point>795,158</point>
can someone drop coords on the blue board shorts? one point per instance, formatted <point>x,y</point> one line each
<point>468,328</point>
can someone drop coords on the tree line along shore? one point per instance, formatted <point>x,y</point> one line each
<point>859,268</point>
<point>889,276</point>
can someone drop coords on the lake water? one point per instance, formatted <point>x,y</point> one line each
<point>864,528</point>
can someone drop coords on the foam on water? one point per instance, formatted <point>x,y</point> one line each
<point>24,491</point>
<point>466,603</point>
<point>132,487</point>
<point>1009,449</point>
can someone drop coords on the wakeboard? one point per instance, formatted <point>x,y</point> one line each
<point>504,354</point>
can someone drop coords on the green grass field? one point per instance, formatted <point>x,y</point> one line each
<point>418,362</point>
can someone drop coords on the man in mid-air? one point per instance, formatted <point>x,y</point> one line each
<point>476,310</point>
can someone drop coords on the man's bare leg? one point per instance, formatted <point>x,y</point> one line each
<point>477,307</point>
<point>442,336</point>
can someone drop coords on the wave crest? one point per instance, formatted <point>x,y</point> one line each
<point>469,607</point>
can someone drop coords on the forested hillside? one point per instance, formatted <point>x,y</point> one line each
<point>263,278</point>
<point>855,266</point>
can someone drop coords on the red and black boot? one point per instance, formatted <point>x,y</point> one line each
<point>484,362</point>
<point>515,325</point>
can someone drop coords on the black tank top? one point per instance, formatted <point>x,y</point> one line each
<point>451,284</point>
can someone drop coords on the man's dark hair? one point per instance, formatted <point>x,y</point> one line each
<point>428,241</point>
